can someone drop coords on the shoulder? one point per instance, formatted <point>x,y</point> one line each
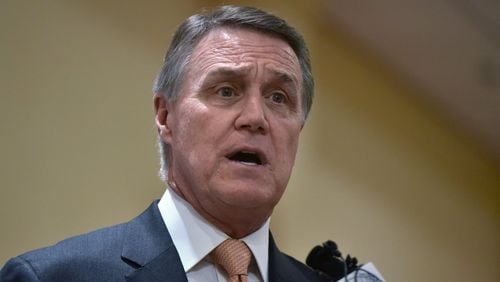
<point>81,258</point>
<point>96,256</point>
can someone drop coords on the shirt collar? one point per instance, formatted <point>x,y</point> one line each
<point>186,226</point>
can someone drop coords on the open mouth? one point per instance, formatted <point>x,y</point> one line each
<point>246,157</point>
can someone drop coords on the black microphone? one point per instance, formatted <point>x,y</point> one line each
<point>328,260</point>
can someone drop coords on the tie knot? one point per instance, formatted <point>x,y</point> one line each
<point>233,255</point>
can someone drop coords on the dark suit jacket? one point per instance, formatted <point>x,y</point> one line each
<point>140,250</point>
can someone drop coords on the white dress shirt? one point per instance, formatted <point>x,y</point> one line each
<point>194,238</point>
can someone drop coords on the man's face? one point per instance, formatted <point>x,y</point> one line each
<point>235,125</point>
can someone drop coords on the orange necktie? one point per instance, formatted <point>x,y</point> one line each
<point>234,256</point>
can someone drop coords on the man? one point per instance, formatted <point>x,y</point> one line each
<point>230,101</point>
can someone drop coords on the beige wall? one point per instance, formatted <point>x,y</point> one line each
<point>378,171</point>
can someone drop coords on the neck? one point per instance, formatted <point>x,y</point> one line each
<point>237,227</point>
<point>235,222</point>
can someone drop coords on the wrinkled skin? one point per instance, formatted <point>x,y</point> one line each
<point>241,92</point>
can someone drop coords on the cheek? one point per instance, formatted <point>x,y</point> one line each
<point>286,149</point>
<point>187,128</point>
<point>291,141</point>
<point>195,135</point>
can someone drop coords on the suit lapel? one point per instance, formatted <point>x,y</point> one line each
<point>149,250</point>
<point>281,268</point>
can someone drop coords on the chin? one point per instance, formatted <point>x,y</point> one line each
<point>249,195</point>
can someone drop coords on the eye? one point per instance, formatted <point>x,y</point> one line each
<point>278,97</point>
<point>226,92</point>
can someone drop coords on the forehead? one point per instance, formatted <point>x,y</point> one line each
<point>240,47</point>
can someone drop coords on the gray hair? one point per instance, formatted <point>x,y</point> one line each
<point>194,28</point>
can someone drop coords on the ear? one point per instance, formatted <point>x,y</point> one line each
<point>161,115</point>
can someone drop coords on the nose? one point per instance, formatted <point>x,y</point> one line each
<point>252,116</point>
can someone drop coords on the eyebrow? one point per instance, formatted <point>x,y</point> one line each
<point>229,72</point>
<point>285,77</point>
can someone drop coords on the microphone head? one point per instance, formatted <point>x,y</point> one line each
<point>332,248</point>
<point>321,258</point>
<point>328,260</point>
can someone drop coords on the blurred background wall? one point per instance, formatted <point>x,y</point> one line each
<point>382,169</point>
